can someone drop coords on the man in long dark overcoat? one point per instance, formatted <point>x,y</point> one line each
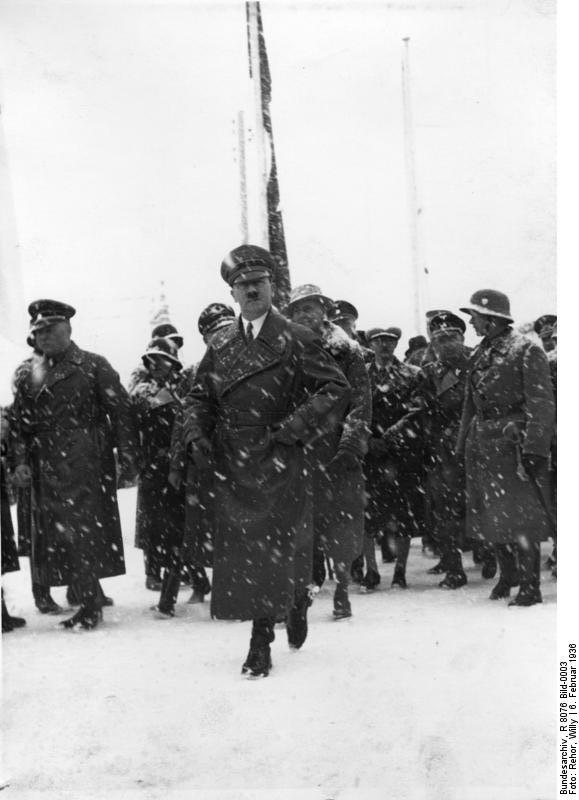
<point>440,394</point>
<point>394,469</point>
<point>263,389</point>
<point>68,416</point>
<point>506,432</point>
<point>336,458</point>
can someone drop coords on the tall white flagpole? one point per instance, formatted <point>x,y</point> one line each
<point>260,231</point>
<point>413,207</point>
<point>242,176</point>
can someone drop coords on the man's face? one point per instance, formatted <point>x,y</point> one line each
<point>447,345</point>
<point>384,346</point>
<point>548,342</point>
<point>348,324</point>
<point>479,322</point>
<point>53,339</point>
<point>159,367</point>
<point>253,297</point>
<point>309,313</point>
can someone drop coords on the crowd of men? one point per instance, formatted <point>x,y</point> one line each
<point>295,447</point>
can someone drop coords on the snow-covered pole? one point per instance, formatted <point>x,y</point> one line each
<point>260,235</point>
<point>413,207</point>
<point>242,176</point>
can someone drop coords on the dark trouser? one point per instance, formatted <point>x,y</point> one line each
<point>319,575</point>
<point>450,540</point>
<point>89,592</point>
<point>401,548</point>
<point>153,562</point>
<point>170,588</point>
<point>508,566</point>
<point>262,631</point>
<point>199,580</point>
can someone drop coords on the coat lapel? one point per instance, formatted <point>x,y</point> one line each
<point>238,360</point>
<point>64,368</point>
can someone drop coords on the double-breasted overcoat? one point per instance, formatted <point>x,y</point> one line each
<point>508,395</point>
<point>248,398</point>
<point>68,417</point>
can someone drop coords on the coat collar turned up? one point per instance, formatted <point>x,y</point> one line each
<point>241,360</point>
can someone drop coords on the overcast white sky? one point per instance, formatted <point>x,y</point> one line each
<point>118,127</point>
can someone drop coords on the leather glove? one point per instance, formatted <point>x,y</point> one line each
<point>200,451</point>
<point>22,476</point>
<point>534,465</point>
<point>345,459</point>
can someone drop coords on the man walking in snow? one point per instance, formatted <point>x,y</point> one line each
<point>263,389</point>
<point>69,413</point>
<point>506,431</point>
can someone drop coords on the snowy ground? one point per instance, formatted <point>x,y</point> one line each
<point>423,694</point>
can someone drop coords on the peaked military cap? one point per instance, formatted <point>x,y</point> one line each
<point>46,312</point>
<point>164,348</point>
<point>389,333</point>
<point>545,325</point>
<point>214,317</point>
<point>247,262</point>
<point>308,291</point>
<point>167,331</point>
<point>341,309</point>
<point>447,322</point>
<point>490,303</point>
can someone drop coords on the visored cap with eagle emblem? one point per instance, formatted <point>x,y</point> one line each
<point>446,322</point>
<point>247,263</point>
<point>490,303</point>
<point>47,312</point>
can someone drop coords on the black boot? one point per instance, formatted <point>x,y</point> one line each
<point>169,593</point>
<point>90,614</point>
<point>370,580</point>
<point>357,571</point>
<point>508,575</point>
<point>319,566</point>
<point>455,574</point>
<point>43,600</point>
<point>102,600</point>
<point>388,557</point>
<point>342,607</point>
<point>71,597</point>
<point>402,550</point>
<point>297,620</point>
<point>530,572</point>
<point>454,580</point>
<point>258,661</point>
<point>489,564</point>
<point>399,577</point>
<point>87,617</point>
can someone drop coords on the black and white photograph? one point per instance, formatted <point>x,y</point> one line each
<point>278,392</point>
